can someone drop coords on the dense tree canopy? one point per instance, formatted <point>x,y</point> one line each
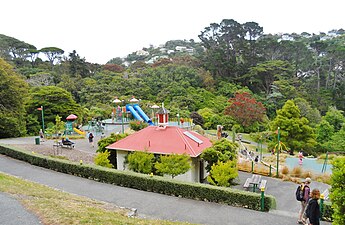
<point>13,94</point>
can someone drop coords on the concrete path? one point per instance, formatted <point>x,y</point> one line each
<point>13,213</point>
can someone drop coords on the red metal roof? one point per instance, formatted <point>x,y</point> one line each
<point>167,140</point>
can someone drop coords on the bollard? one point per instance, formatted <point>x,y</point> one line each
<point>322,197</point>
<point>262,199</point>
<point>252,166</point>
<point>270,171</point>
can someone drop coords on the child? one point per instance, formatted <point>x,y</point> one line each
<point>90,137</point>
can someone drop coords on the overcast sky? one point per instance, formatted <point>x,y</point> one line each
<point>105,29</point>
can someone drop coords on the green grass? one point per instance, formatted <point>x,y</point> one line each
<point>56,207</point>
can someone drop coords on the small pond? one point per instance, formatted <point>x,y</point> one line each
<point>308,164</point>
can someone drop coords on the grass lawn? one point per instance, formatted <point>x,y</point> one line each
<point>57,207</point>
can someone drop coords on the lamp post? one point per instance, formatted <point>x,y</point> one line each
<point>178,119</point>
<point>42,114</point>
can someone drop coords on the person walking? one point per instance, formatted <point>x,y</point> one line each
<point>91,137</point>
<point>41,135</point>
<point>306,192</point>
<point>313,208</point>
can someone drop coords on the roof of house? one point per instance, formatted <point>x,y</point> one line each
<point>168,140</point>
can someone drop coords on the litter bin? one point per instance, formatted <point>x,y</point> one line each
<point>37,141</point>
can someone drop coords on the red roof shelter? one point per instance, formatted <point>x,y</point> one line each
<point>164,140</point>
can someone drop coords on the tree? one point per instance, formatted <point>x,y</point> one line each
<point>223,173</point>
<point>13,94</point>
<point>337,191</point>
<point>55,101</point>
<point>312,114</point>
<point>197,118</point>
<point>52,53</point>
<point>336,142</point>
<point>295,131</point>
<point>324,131</point>
<point>261,77</point>
<point>141,162</point>
<point>335,117</point>
<point>173,164</point>
<point>77,65</point>
<point>222,150</point>
<point>245,109</point>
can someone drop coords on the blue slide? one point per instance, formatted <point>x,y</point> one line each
<point>138,113</point>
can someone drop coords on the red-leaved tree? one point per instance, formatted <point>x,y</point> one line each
<point>245,109</point>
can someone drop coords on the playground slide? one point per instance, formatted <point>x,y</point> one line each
<point>142,114</point>
<point>78,131</point>
<point>134,113</point>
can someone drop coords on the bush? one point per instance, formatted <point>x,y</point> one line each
<point>338,189</point>
<point>102,159</point>
<point>141,162</point>
<point>137,125</point>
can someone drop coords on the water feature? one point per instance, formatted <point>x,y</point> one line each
<point>311,164</point>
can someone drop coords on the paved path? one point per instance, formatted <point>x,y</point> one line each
<point>13,213</point>
<point>153,205</point>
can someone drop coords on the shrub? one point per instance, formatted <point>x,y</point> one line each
<point>109,140</point>
<point>173,164</point>
<point>102,159</point>
<point>285,170</point>
<point>223,174</point>
<point>338,189</point>
<point>141,162</point>
<point>137,125</point>
<point>296,172</point>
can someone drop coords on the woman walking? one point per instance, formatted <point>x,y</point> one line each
<point>313,208</point>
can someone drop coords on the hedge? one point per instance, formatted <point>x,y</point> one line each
<point>145,182</point>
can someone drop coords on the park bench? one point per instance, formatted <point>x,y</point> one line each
<point>255,180</point>
<point>247,183</point>
<point>63,145</point>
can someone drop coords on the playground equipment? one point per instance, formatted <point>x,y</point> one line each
<point>69,124</point>
<point>79,131</point>
<point>138,113</point>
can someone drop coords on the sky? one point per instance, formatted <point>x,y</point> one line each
<point>105,29</point>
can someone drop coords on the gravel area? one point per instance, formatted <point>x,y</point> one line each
<point>82,151</point>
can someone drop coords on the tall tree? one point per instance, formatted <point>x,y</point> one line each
<point>295,131</point>
<point>245,109</point>
<point>13,95</point>
<point>224,43</point>
<point>52,53</point>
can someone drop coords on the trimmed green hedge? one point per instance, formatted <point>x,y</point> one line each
<point>144,182</point>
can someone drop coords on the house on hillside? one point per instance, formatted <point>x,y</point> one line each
<point>164,140</point>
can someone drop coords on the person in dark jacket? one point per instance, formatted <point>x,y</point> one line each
<point>313,210</point>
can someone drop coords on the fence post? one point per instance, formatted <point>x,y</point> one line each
<point>252,166</point>
<point>270,171</point>
<point>322,197</point>
<point>262,199</point>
